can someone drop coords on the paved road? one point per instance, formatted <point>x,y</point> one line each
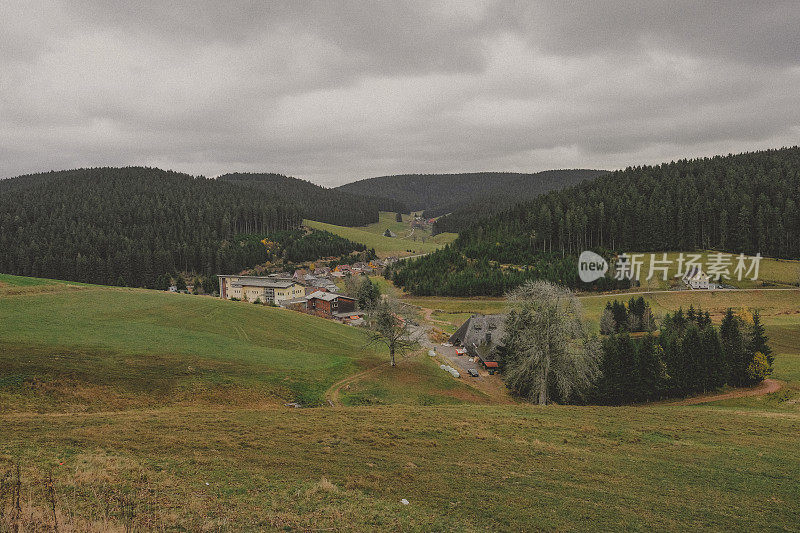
<point>686,291</point>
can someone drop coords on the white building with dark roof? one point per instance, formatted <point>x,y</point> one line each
<point>265,289</point>
<point>695,278</point>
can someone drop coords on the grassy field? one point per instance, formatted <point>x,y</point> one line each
<point>462,468</point>
<point>404,244</point>
<point>160,411</point>
<point>417,380</point>
<point>771,303</point>
<point>778,272</point>
<point>112,347</point>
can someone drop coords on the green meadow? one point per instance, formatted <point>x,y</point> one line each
<point>93,345</point>
<point>157,411</point>
<point>404,244</point>
<point>771,272</point>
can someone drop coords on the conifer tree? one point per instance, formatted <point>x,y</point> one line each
<point>759,339</point>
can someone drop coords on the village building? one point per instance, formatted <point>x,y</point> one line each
<point>331,305</point>
<point>321,287</point>
<point>314,283</point>
<point>295,304</point>
<point>480,336</point>
<point>266,289</point>
<point>695,278</point>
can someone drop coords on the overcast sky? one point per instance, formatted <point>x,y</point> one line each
<point>338,91</point>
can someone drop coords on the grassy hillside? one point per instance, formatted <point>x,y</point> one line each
<point>62,345</point>
<point>180,427</point>
<point>406,242</point>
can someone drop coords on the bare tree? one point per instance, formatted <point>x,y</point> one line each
<point>388,322</point>
<point>548,352</point>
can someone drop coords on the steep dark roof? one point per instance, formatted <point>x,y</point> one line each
<point>473,333</point>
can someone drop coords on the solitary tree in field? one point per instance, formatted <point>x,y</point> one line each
<point>387,320</point>
<point>548,353</point>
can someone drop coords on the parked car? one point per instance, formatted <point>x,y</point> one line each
<point>472,372</point>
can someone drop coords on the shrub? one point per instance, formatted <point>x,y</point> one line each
<point>758,369</point>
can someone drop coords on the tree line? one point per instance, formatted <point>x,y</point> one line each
<point>466,195</point>
<point>548,354</point>
<point>636,317</point>
<point>128,226</point>
<point>298,245</point>
<point>738,203</point>
<point>333,206</point>
<point>689,356</point>
<point>486,269</point>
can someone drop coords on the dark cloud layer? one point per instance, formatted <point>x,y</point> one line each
<point>337,91</point>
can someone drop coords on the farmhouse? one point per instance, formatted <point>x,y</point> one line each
<point>696,279</point>
<point>480,336</point>
<point>262,288</point>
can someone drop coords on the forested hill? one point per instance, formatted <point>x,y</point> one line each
<point>438,194</point>
<point>318,203</point>
<point>127,226</point>
<point>737,203</point>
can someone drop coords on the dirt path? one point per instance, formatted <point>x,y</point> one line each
<point>767,386</point>
<point>428,314</point>
<point>332,394</point>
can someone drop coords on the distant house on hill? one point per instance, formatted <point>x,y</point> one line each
<point>480,336</point>
<point>695,278</point>
<point>322,271</point>
<point>389,233</point>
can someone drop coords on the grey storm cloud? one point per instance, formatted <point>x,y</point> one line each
<point>338,91</point>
